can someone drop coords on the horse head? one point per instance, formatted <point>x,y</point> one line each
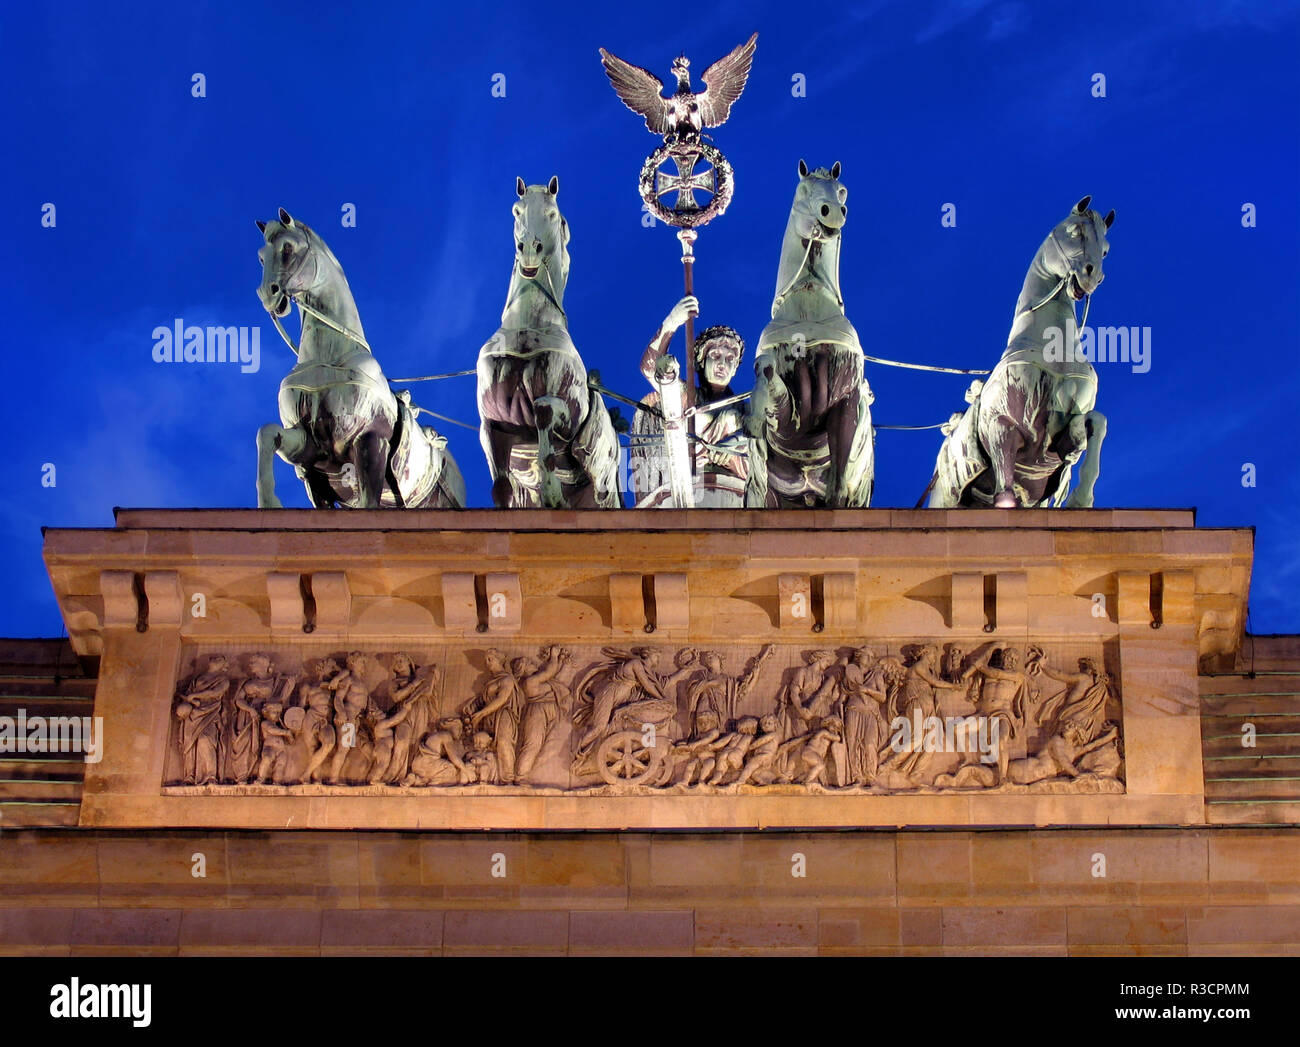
<point>810,252</point>
<point>284,257</point>
<point>1080,241</point>
<point>819,211</point>
<point>541,238</point>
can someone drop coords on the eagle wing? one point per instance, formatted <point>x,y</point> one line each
<point>725,80</point>
<point>640,90</point>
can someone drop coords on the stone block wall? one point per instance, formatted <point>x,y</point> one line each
<point>1200,892</point>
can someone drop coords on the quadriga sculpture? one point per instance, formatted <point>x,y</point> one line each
<point>811,409</point>
<point>1035,415</point>
<point>353,442</point>
<point>548,438</point>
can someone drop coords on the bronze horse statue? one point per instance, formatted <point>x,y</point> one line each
<point>548,437</point>
<point>810,417</point>
<point>1035,416</point>
<point>352,441</point>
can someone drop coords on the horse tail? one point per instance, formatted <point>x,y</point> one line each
<point>595,446</point>
<point>920,502</point>
<point>394,442</point>
<point>450,484</point>
<point>391,478</point>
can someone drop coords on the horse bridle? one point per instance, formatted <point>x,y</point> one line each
<point>1087,297</point>
<point>807,252</point>
<point>548,290</point>
<point>296,298</point>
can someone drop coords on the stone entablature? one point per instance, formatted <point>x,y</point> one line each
<point>1144,596</point>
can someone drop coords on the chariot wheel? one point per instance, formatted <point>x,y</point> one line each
<point>623,759</point>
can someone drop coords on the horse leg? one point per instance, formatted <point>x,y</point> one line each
<point>318,489</point>
<point>762,411</point>
<point>1095,422</point>
<point>496,447</point>
<point>803,391</point>
<point>370,459</point>
<point>1003,440</point>
<point>552,415</point>
<point>289,444</point>
<point>821,388</point>
<point>1003,434</point>
<point>841,426</point>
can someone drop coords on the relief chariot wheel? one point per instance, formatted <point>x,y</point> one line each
<point>624,759</point>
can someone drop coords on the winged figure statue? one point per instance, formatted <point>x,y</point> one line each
<point>686,113</point>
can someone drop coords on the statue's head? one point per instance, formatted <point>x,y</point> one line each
<point>272,710</point>
<point>482,740</point>
<point>649,657</point>
<point>326,667</point>
<point>452,725</point>
<point>705,720</point>
<point>863,657</point>
<point>259,664</point>
<point>718,351</point>
<point>218,663</point>
<point>1010,659</point>
<point>893,669</point>
<point>495,660</point>
<point>1090,666</point>
<point>524,665</point>
<point>402,664</point>
<point>541,236</point>
<point>833,724</point>
<point>818,659</point>
<point>1080,246</point>
<point>712,661</point>
<point>819,210</point>
<point>357,661</point>
<point>747,725</point>
<point>768,724</point>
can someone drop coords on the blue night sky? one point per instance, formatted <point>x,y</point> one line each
<point>985,104</point>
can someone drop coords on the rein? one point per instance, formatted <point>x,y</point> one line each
<point>297,298</point>
<point>548,290</point>
<point>1087,298</point>
<point>803,264</point>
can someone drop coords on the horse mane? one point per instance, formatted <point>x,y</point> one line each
<point>318,244</point>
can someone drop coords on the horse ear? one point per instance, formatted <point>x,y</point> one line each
<point>1082,205</point>
<point>835,170</point>
<point>261,227</point>
<point>803,169</point>
<point>553,186</point>
<point>1110,218</point>
<point>520,188</point>
<point>286,219</point>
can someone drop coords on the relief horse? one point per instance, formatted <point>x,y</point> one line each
<point>1035,416</point>
<point>352,441</point>
<point>810,419</point>
<point>548,437</point>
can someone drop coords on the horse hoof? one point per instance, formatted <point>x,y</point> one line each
<point>1005,500</point>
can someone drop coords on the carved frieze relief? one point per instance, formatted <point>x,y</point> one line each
<point>868,718</point>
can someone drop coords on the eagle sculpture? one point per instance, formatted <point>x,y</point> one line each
<point>686,113</point>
